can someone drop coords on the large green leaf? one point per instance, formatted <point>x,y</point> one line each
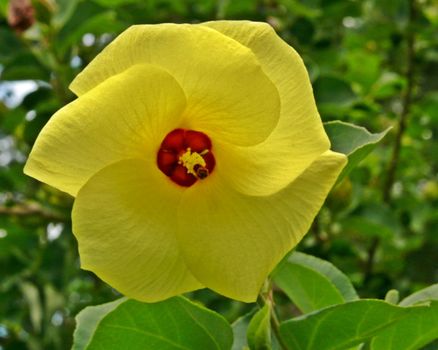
<point>354,141</point>
<point>176,323</point>
<point>342,326</point>
<point>416,331</point>
<point>259,330</point>
<point>411,333</point>
<point>312,283</point>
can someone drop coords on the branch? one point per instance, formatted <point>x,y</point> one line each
<point>23,210</point>
<point>406,106</point>
<point>402,123</point>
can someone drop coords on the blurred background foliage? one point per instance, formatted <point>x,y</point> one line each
<point>373,63</point>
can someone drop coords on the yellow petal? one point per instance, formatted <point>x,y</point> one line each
<point>231,241</point>
<point>124,219</point>
<point>299,137</point>
<point>228,95</point>
<point>126,116</point>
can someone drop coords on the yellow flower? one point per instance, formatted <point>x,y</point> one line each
<point>196,155</point>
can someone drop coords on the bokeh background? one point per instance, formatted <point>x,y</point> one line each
<point>373,63</point>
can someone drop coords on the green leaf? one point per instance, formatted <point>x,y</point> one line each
<point>333,94</point>
<point>25,66</point>
<point>10,45</point>
<point>14,238</point>
<point>365,225</point>
<point>363,67</point>
<point>176,323</point>
<point>87,17</point>
<point>114,3</point>
<point>301,8</point>
<point>354,141</point>
<point>88,320</point>
<point>342,326</point>
<point>389,84</point>
<point>429,105</point>
<point>32,296</point>
<point>259,330</point>
<point>98,24</point>
<point>313,283</point>
<point>426,294</point>
<point>410,333</point>
<point>240,327</point>
<point>64,10</point>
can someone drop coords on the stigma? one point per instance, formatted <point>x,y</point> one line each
<point>185,156</point>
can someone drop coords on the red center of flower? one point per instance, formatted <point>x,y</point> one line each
<point>185,156</point>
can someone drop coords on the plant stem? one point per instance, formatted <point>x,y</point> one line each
<point>401,129</point>
<point>275,325</point>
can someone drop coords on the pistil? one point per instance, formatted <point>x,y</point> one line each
<point>185,156</point>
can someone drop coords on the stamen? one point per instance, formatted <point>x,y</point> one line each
<point>194,163</point>
<point>185,156</point>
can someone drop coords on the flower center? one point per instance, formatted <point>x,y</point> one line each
<point>185,156</point>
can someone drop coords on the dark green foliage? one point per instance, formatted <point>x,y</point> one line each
<point>357,54</point>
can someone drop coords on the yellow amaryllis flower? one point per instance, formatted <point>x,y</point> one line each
<point>196,155</point>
